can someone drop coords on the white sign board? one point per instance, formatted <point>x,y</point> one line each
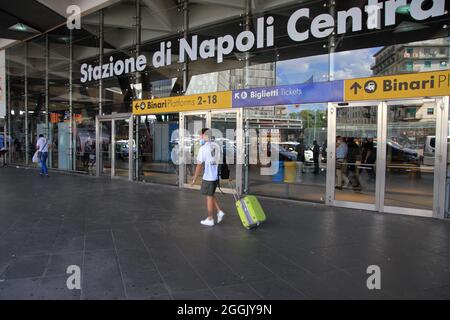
<point>2,84</point>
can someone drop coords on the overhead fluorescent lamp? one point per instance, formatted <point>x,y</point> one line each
<point>115,90</point>
<point>407,26</point>
<point>21,27</point>
<point>403,10</point>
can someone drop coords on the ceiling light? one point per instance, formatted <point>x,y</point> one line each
<point>403,10</point>
<point>21,27</point>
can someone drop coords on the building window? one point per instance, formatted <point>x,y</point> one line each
<point>443,64</point>
<point>427,64</point>
<point>409,52</point>
<point>442,51</point>
<point>427,52</point>
<point>409,66</point>
<point>430,111</point>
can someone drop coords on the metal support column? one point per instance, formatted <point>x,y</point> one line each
<point>247,22</point>
<point>181,154</point>
<point>185,36</point>
<point>134,121</point>
<point>8,108</point>
<point>47,129</point>
<point>112,151</point>
<point>72,150</point>
<point>331,43</point>
<point>26,105</point>
<point>244,185</point>
<point>100,62</point>
<point>98,145</point>
<point>246,154</point>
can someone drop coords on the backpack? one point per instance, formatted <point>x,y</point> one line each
<point>224,171</point>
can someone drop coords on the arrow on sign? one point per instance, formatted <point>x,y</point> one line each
<point>355,87</point>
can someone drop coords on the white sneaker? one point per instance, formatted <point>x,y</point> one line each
<point>220,216</point>
<point>207,222</point>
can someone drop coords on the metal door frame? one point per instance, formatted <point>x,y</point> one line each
<point>239,145</point>
<point>440,171</point>
<point>113,118</point>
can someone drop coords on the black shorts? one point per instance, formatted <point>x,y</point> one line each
<point>208,188</point>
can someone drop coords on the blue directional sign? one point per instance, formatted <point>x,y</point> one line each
<point>332,91</point>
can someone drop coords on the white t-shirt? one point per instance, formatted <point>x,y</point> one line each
<point>209,154</point>
<point>42,145</point>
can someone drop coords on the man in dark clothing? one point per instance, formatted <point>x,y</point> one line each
<point>316,154</point>
<point>300,149</point>
<point>369,157</point>
<point>352,157</point>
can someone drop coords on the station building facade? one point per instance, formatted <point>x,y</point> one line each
<point>82,89</point>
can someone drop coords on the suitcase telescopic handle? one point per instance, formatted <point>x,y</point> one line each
<point>234,191</point>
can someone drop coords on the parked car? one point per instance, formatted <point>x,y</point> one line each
<point>122,148</point>
<point>399,154</point>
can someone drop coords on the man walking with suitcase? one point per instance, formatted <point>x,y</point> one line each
<point>209,157</point>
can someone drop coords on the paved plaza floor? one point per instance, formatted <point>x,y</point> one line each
<point>145,241</point>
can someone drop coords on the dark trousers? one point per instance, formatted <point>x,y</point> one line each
<point>43,162</point>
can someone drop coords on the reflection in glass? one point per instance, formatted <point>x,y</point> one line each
<point>105,147</point>
<point>299,134</point>
<point>122,149</point>
<point>193,126</point>
<point>410,154</point>
<point>223,127</point>
<point>16,70</point>
<point>356,155</point>
<point>158,144</point>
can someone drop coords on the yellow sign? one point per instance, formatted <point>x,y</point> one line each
<point>216,100</point>
<point>424,84</point>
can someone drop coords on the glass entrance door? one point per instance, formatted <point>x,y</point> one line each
<point>410,156</point>
<point>227,132</point>
<point>122,148</point>
<point>116,148</point>
<point>190,142</point>
<point>352,179</point>
<point>387,156</point>
<point>226,128</point>
<point>106,148</point>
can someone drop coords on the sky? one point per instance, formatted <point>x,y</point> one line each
<point>347,65</point>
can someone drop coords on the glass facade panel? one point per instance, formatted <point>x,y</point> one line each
<point>16,75</point>
<point>158,145</point>
<point>60,156</point>
<point>298,133</point>
<point>119,43</point>
<point>85,95</point>
<point>36,63</point>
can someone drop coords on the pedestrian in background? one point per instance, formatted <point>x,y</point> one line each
<point>42,148</point>
<point>341,158</point>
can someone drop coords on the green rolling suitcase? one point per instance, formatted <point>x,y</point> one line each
<point>249,210</point>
